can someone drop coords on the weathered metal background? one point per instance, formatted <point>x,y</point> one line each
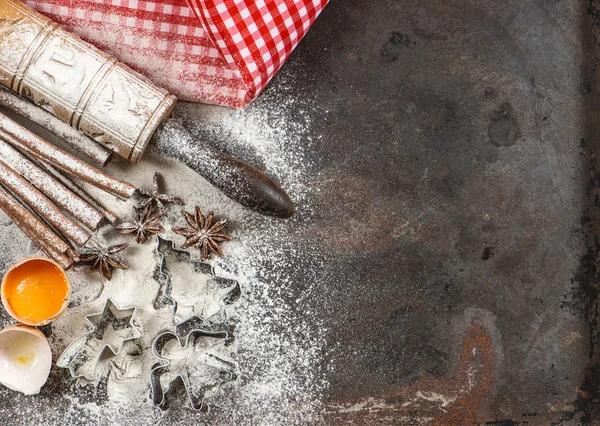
<point>453,198</point>
<point>456,201</point>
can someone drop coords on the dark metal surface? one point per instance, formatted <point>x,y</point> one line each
<point>452,202</point>
<point>452,205</point>
<point>465,130</point>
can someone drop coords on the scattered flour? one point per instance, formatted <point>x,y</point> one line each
<point>277,345</point>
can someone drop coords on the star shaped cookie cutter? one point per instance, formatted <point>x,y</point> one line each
<point>190,361</point>
<point>110,330</point>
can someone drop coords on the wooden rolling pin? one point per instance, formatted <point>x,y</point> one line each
<point>115,106</point>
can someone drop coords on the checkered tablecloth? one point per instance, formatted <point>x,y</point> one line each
<point>215,51</point>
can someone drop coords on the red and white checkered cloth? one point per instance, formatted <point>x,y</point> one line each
<point>215,51</point>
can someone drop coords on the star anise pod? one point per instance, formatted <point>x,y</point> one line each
<point>203,233</point>
<point>156,198</point>
<point>104,260</point>
<point>144,225</point>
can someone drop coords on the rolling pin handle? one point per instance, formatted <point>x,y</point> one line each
<point>240,181</point>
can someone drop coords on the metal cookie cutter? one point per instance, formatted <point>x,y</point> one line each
<point>213,294</point>
<point>111,328</point>
<point>193,362</point>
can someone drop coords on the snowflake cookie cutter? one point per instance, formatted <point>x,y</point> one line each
<point>191,361</point>
<point>208,307</point>
<point>83,355</point>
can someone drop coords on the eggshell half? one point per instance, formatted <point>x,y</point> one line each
<point>25,359</point>
<point>21,319</point>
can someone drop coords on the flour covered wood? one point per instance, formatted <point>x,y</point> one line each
<point>78,83</point>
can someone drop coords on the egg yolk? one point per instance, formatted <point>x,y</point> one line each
<point>36,289</point>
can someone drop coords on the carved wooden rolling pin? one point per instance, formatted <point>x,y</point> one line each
<point>114,105</point>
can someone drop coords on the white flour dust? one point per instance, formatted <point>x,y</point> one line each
<point>277,345</point>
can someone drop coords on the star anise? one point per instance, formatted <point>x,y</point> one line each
<point>144,225</point>
<point>104,260</point>
<point>156,198</point>
<point>203,233</point>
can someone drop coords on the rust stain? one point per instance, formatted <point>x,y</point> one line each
<point>454,400</point>
<point>466,409</point>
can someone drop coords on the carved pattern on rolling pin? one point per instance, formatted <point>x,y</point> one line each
<point>59,70</point>
<point>7,26</point>
<point>78,83</point>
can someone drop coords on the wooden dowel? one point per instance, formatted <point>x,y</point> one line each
<point>36,231</point>
<point>50,186</point>
<point>60,258</point>
<point>77,190</point>
<point>27,141</point>
<point>42,205</point>
<point>71,253</point>
<point>72,137</point>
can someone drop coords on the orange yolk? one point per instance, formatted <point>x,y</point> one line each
<point>36,289</point>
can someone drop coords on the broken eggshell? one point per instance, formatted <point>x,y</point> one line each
<point>25,358</point>
<point>33,268</point>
